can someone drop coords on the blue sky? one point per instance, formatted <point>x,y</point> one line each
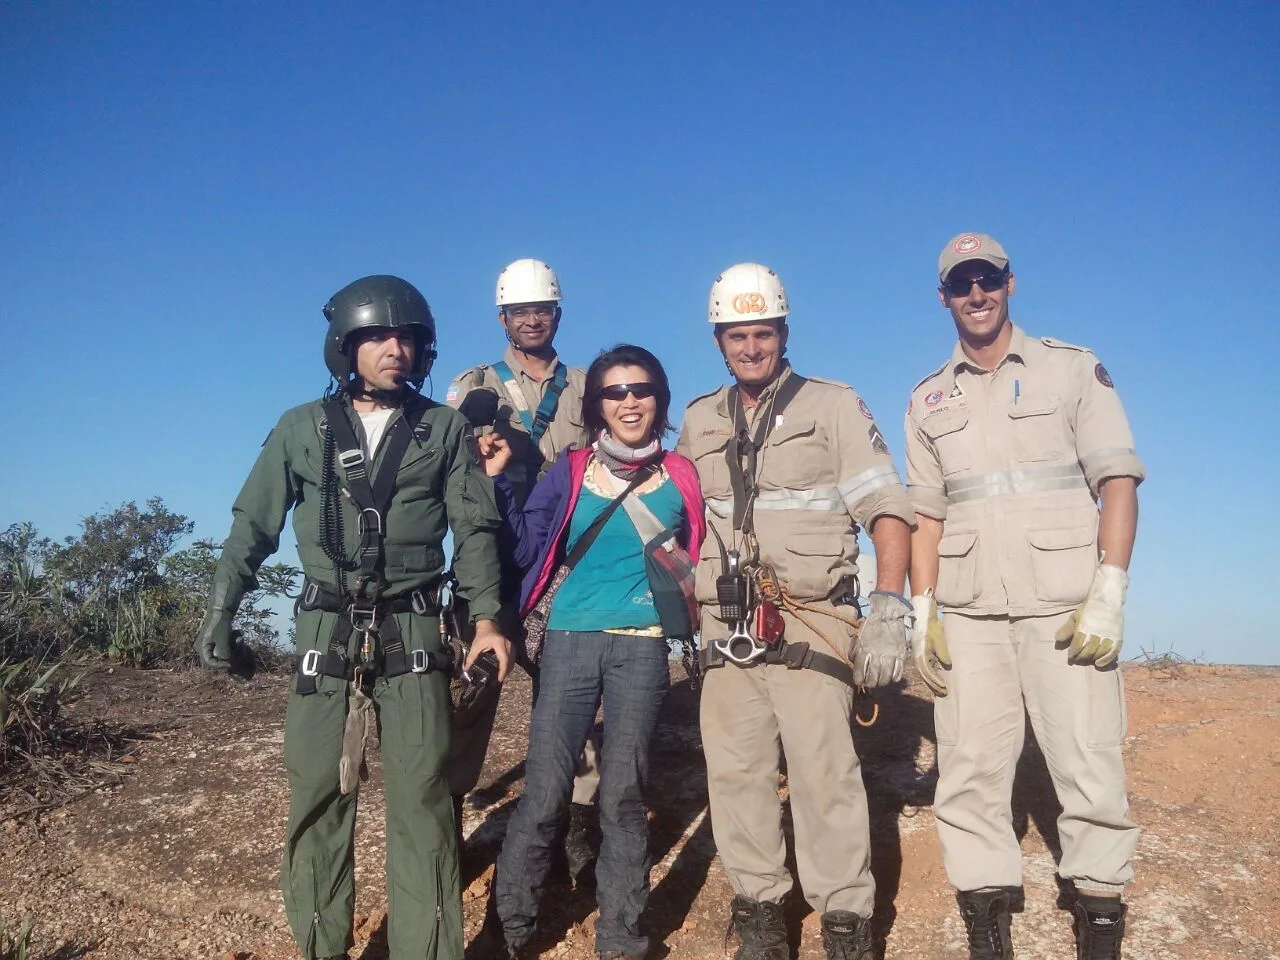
<point>184,186</point>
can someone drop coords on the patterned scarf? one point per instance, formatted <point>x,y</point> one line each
<point>623,461</point>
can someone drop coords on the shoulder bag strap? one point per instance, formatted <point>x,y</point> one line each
<point>589,536</point>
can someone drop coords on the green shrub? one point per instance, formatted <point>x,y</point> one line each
<point>16,947</point>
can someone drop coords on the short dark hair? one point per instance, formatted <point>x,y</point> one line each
<point>626,355</point>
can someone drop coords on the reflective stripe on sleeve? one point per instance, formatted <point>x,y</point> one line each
<point>819,499</point>
<point>869,481</point>
<point>1007,482</point>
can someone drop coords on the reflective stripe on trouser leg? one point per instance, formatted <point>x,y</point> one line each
<point>1078,715</point>
<point>980,727</point>
<point>424,905</point>
<point>317,875</point>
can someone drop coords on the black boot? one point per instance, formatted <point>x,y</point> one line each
<point>847,936</point>
<point>986,918</point>
<point>1099,927</point>
<point>761,930</point>
<point>581,843</point>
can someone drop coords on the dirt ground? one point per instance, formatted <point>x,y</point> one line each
<point>181,858</point>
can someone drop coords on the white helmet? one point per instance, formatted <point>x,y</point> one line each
<point>745,293</point>
<point>527,281</point>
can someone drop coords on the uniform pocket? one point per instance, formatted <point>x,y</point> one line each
<point>957,568</point>
<point>945,429</point>
<point>788,466</point>
<point>709,457</point>
<point>812,563</point>
<point>1108,716</point>
<point>1037,430</point>
<point>1062,562</point>
<point>946,717</point>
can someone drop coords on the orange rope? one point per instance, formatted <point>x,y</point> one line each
<point>772,590</point>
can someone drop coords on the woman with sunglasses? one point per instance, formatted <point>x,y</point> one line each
<point>603,642</point>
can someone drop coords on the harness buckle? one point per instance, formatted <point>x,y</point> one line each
<point>363,619</point>
<point>418,603</point>
<point>418,661</point>
<point>377,521</point>
<point>310,666</point>
<point>350,459</point>
<point>310,594</point>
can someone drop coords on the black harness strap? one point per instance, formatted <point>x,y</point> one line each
<point>395,659</point>
<point>794,656</point>
<point>372,500</point>
<point>745,447</point>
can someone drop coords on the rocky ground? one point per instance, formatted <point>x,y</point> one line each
<point>180,858</point>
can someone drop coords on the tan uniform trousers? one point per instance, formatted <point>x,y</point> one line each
<point>1078,715</point>
<point>747,713</point>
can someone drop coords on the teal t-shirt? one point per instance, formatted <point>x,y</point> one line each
<point>609,589</point>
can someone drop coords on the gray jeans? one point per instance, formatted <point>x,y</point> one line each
<point>579,669</point>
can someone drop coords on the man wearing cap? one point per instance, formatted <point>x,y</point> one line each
<point>1022,472</point>
<point>534,401</point>
<point>790,467</point>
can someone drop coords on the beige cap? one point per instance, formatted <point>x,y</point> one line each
<point>971,246</point>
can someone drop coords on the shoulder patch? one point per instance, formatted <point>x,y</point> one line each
<point>930,376</point>
<point>1062,344</point>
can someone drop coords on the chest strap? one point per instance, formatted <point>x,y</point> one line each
<point>372,499</point>
<point>537,422</point>
<point>742,450</point>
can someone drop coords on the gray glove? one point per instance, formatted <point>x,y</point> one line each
<point>881,650</point>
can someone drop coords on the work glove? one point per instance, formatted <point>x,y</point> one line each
<point>1095,630</point>
<point>217,645</point>
<point>928,642</point>
<point>213,642</point>
<point>881,650</point>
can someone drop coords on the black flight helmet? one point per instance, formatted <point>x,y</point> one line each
<point>378,301</point>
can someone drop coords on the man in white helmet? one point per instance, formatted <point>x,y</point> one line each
<point>534,401</point>
<point>1024,478</point>
<point>790,467</point>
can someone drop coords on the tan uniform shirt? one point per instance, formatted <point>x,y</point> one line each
<point>1010,460</point>
<point>824,470</point>
<point>566,430</point>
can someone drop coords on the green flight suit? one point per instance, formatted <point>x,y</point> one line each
<point>439,485</point>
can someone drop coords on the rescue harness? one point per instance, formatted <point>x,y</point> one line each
<point>748,587</point>
<point>362,608</point>
<point>537,422</point>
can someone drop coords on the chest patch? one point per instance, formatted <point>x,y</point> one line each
<point>933,399</point>
<point>1104,378</point>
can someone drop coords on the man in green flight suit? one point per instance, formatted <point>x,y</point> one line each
<point>375,474</point>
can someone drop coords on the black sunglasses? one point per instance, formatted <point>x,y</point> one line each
<point>618,391</point>
<point>989,282</point>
